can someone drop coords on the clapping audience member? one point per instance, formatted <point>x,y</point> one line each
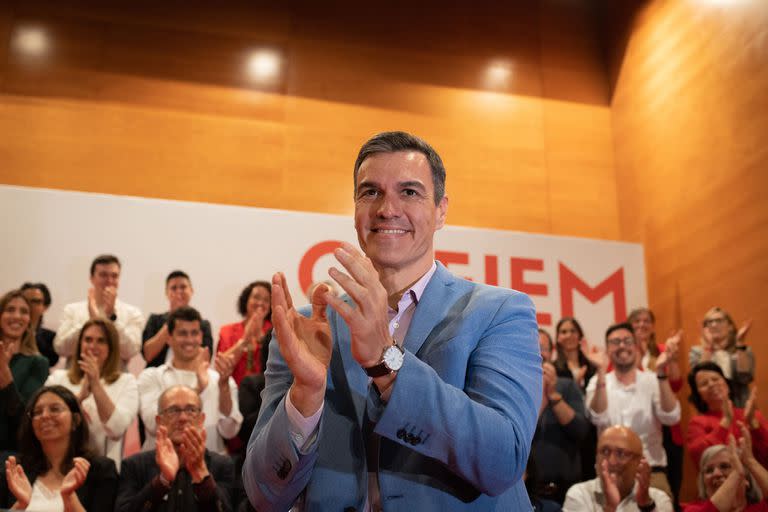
<point>624,478</point>
<point>178,291</point>
<point>242,340</point>
<point>39,298</point>
<point>102,301</point>
<point>635,398</point>
<point>55,470</point>
<point>718,416</point>
<point>190,366</point>
<point>180,473</point>
<point>108,397</point>
<point>572,353</point>
<point>731,479</point>
<point>643,321</point>
<point>561,429</point>
<point>22,369</point>
<point>726,346</point>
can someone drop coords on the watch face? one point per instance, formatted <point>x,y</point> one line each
<point>393,358</point>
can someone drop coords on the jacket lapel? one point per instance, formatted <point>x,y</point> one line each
<point>432,309</point>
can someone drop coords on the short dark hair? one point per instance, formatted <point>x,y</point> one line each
<point>242,300</point>
<point>31,451</point>
<point>616,327</point>
<point>177,273</point>
<point>695,397</point>
<point>104,259</point>
<point>549,338</point>
<point>184,313</point>
<point>392,142</point>
<point>43,289</point>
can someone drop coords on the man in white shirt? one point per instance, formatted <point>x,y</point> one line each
<point>635,398</point>
<point>623,481</point>
<point>102,302</point>
<point>189,367</point>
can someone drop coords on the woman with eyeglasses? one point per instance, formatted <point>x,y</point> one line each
<point>719,417</point>
<point>22,369</point>
<point>55,470</point>
<point>725,345</point>
<point>731,479</point>
<point>108,397</point>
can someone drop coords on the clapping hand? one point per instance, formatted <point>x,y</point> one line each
<point>305,344</point>
<point>166,458</point>
<point>192,450</point>
<point>741,334</point>
<point>643,478</point>
<point>18,483</point>
<point>75,478</point>
<point>224,365</point>
<point>201,369</point>
<point>750,408</point>
<point>610,486</point>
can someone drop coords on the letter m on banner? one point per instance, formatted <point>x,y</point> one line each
<point>612,285</point>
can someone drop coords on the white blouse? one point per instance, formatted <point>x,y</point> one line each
<point>106,438</point>
<point>44,499</point>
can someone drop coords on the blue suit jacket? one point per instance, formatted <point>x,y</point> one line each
<point>457,429</point>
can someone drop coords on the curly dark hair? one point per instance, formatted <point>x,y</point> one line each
<point>695,397</point>
<point>31,451</point>
<point>242,301</point>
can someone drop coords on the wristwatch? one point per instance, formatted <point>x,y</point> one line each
<point>391,361</point>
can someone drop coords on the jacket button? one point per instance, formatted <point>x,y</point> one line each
<point>401,433</point>
<point>416,440</point>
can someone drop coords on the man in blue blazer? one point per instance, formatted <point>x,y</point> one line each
<point>416,390</point>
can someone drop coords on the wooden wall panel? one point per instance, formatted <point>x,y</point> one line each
<point>690,116</point>
<point>150,99</point>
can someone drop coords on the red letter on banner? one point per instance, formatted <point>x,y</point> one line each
<point>491,270</point>
<point>308,261</point>
<point>517,268</point>
<point>449,257</point>
<point>613,285</point>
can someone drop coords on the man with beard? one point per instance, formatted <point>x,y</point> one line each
<point>634,398</point>
<point>620,464</point>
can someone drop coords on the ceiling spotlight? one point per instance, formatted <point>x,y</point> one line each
<point>32,41</point>
<point>498,75</point>
<point>263,65</point>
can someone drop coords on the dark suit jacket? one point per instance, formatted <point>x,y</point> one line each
<point>139,490</point>
<point>96,493</point>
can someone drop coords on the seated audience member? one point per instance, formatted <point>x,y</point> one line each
<point>180,473</point>
<point>102,301</point>
<point>573,357</point>
<point>718,417</point>
<point>39,298</point>
<point>726,346</point>
<point>731,479</point>
<point>643,321</point>
<point>561,429</point>
<point>241,340</point>
<point>108,397</point>
<point>635,398</point>
<point>179,291</point>
<point>55,470</point>
<point>189,366</point>
<point>624,477</point>
<point>22,369</point>
<point>536,489</point>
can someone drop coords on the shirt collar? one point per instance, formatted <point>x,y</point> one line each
<point>414,293</point>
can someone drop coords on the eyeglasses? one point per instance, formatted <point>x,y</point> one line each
<point>709,322</point>
<point>628,341</point>
<point>724,467</point>
<point>620,454</point>
<point>53,410</point>
<point>174,412</point>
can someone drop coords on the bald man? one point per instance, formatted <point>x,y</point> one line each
<point>623,478</point>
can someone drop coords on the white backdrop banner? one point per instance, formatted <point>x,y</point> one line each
<point>52,236</point>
